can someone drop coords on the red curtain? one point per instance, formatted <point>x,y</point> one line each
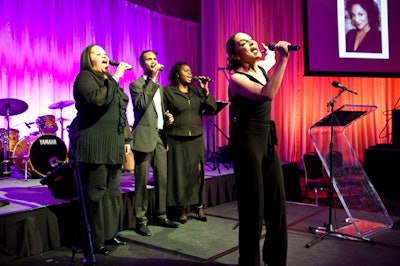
<point>302,100</point>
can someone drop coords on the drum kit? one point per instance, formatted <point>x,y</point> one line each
<point>36,154</point>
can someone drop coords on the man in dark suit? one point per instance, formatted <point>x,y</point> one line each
<point>149,146</point>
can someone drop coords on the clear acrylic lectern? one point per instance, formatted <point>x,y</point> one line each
<point>365,211</point>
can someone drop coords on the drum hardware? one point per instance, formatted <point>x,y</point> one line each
<point>60,105</point>
<point>25,170</point>
<point>9,107</point>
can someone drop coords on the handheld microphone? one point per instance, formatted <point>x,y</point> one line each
<point>160,70</point>
<point>271,46</point>
<point>115,63</point>
<point>204,80</point>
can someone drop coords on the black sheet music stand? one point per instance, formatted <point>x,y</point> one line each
<point>213,158</point>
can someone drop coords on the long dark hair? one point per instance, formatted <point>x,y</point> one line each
<point>233,64</point>
<point>86,63</point>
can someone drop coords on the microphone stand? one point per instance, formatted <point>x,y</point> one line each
<point>214,157</point>
<point>329,230</point>
<point>89,255</point>
<point>89,259</point>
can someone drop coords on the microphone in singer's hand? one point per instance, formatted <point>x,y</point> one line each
<point>271,46</point>
<point>196,78</point>
<point>115,63</point>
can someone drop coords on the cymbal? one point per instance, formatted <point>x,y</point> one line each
<point>61,104</point>
<point>12,106</point>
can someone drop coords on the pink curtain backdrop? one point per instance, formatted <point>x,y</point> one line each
<point>41,43</point>
<point>42,40</point>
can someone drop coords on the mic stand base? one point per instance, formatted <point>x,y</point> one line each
<point>213,159</point>
<point>329,231</point>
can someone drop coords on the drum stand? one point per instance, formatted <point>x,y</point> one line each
<point>25,169</point>
<point>5,161</point>
<point>60,105</point>
<point>6,145</point>
<point>61,119</point>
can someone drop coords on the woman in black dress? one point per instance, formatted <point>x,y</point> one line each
<point>185,139</point>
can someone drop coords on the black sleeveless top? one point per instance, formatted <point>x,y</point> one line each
<point>248,111</point>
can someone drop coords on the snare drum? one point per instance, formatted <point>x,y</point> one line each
<point>47,124</point>
<point>41,153</point>
<point>13,138</point>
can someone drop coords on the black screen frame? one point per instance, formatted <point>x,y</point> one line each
<point>321,43</point>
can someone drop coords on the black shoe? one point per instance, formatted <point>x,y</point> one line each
<point>182,220</point>
<point>102,250</point>
<point>115,242</point>
<point>200,214</point>
<point>143,230</point>
<point>166,223</point>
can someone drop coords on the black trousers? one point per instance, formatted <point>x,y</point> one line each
<point>143,160</point>
<point>261,195</point>
<point>103,198</point>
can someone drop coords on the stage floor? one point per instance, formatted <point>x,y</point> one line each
<point>33,213</point>
<point>215,243</point>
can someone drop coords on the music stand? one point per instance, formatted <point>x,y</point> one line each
<point>213,157</point>
<point>363,207</point>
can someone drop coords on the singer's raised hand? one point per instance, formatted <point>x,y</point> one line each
<point>283,48</point>
<point>158,68</point>
<point>155,70</point>
<point>269,59</point>
<point>120,71</point>
<point>203,80</point>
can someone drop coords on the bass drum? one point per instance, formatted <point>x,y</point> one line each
<point>41,153</point>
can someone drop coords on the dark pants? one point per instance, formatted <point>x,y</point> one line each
<point>102,191</point>
<point>158,160</point>
<point>261,196</point>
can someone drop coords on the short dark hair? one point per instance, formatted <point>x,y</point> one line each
<point>141,57</point>
<point>174,73</point>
